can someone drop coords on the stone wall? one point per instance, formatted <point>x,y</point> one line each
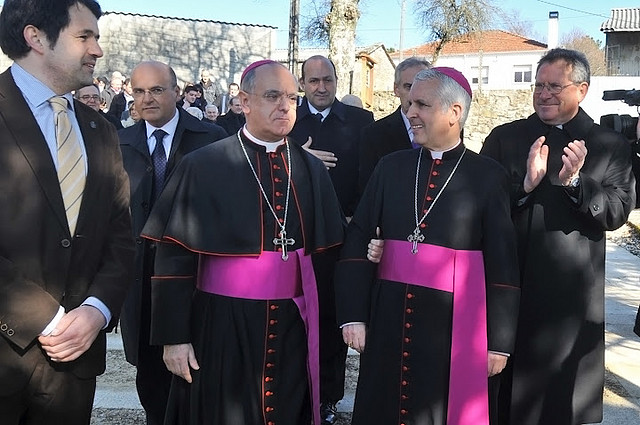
<point>492,108</point>
<point>187,45</point>
<point>488,110</point>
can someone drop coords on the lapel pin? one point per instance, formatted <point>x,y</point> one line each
<point>92,124</point>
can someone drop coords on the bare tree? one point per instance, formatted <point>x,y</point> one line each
<point>315,26</point>
<point>342,21</point>
<point>578,40</point>
<point>512,21</point>
<point>448,19</point>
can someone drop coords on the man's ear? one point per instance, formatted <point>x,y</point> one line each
<point>456,114</point>
<point>301,82</point>
<point>35,38</point>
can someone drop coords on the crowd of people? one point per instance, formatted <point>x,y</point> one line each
<point>114,100</point>
<point>245,240</point>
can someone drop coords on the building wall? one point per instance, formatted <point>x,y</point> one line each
<point>500,68</point>
<point>187,45</point>
<point>622,51</point>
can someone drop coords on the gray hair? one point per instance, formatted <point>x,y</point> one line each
<point>580,70</point>
<point>448,91</point>
<point>211,106</point>
<point>410,63</point>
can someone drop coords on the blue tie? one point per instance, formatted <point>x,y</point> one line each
<point>159,158</point>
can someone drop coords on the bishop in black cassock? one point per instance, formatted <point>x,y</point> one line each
<point>223,286</point>
<point>440,308</point>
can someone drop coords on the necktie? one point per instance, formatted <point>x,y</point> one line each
<point>71,165</point>
<point>159,158</point>
<point>318,117</point>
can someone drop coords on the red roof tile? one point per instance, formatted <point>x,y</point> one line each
<point>492,41</point>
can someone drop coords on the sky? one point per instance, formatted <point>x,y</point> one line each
<point>380,19</point>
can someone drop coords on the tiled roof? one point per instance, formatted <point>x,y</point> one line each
<point>187,19</point>
<point>491,41</point>
<point>623,20</point>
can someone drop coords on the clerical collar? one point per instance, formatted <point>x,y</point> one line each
<point>314,111</point>
<point>439,154</point>
<point>269,146</point>
<point>559,126</point>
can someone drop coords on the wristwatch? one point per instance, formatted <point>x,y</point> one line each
<point>575,182</point>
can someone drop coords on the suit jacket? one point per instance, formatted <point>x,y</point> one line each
<point>190,134</point>
<point>231,122</point>
<point>380,138</point>
<point>339,133</point>
<point>42,266</point>
<point>117,106</point>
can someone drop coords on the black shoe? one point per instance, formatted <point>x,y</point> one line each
<point>328,414</point>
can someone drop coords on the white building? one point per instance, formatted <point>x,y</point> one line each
<point>491,60</point>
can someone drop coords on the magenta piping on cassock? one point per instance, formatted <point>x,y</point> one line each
<point>294,279</point>
<point>462,273</point>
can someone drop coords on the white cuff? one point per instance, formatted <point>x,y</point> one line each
<point>54,322</point>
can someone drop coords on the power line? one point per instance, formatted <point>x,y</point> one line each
<point>574,10</point>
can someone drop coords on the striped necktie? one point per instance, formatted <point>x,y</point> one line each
<point>71,165</point>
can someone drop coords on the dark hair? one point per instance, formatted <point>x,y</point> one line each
<point>580,70</point>
<point>189,88</point>
<point>235,84</point>
<point>316,57</point>
<point>90,85</point>
<point>49,16</point>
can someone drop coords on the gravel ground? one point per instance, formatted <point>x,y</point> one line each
<point>120,373</point>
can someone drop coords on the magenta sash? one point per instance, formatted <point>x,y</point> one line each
<point>460,272</point>
<point>267,277</point>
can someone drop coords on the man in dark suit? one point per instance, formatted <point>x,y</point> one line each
<point>393,132</point>
<point>121,100</point>
<point>65,260</point>
<point>333,129</point>
<point>234,119</point>
<point>155,92</point>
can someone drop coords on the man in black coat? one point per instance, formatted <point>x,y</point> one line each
<point>155,92</point>
<point>393,132</point>
<point>333,129</point>
<point>234,119</point>
<point>571,181</point>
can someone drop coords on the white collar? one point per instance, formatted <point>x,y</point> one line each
<point>439,154</point>
<point>270,146</point>
<point>170,127</point>
<point>314,111</point>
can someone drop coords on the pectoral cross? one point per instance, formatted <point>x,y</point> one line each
<point>283,241</point>
<point>414,238</point>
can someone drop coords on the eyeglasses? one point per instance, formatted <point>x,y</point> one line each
<point>551,87</point>
<point>153,91</point>
<point>277,97</point>
<point>87,97</point>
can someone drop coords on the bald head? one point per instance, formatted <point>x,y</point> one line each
<point>269,101</point>
<point>155,92</point>
<point>319,82</point>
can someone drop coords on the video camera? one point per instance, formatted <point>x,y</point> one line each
<point>623,124</point>
<point>626,125</point>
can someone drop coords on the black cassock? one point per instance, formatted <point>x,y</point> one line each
<point>252,353</point>
<point>558,363</point>
<point>407,380</point>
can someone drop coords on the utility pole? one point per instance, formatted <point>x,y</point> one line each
<point>294,33</point>
<point>401,46</point>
